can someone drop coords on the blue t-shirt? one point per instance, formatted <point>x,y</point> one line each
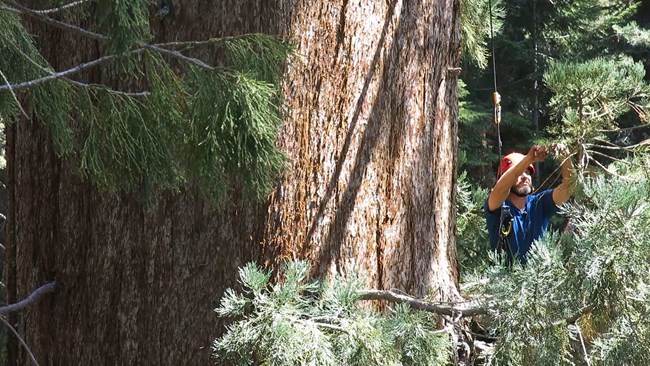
<point>527,225</point>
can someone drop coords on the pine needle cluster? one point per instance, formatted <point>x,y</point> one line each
<point>590,97</point>
<point>299,321</point>
<point>190,123</point>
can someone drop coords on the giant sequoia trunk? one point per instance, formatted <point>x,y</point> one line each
<point>370,133</point>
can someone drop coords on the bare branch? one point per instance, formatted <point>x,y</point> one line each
<point>62,74</point>
<point>22,341</point>
<point>74,82</point>
<point>610,157</point>
<point>67,6</point>
<point>468,308</point>
<point>624,129</point>
<point>32,298</point>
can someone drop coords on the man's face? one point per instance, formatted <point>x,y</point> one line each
<point>523,186</point>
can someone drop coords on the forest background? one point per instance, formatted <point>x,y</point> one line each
<point>572,74</point>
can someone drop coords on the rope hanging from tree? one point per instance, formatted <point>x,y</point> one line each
<point>496,98</point>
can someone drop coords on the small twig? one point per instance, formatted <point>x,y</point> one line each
<point>618,148</point>
<point>32,298</point>
<point>22,341</point>
<point>609,171</point>
<point>451,309</point>
<point>11,90</point>
<point>323,325</point>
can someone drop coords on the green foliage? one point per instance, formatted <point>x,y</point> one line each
<point>590,97</point>
<point>234,127</point>
<point>298,321</point>
<point>125,22</point>
<point>475,28</point>
<point>215,126</point>
<point>471,229</point>
<point>633,34</point>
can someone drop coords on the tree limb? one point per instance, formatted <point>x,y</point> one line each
<point>469,308</point>
<point>63,74</point>
<point>20,9</point>
<point>32,298</point>
<point>74,82</point>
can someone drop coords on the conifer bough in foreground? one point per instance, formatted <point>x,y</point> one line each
<point>219,127</point>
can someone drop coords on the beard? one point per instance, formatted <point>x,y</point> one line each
<point>521,191</point>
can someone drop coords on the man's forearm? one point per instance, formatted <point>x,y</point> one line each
<point>562,193</point>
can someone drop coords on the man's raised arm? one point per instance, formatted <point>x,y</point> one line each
<point>562,192</point>
<point>502,187</point>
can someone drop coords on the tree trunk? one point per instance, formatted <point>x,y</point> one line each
<point>371,137</point>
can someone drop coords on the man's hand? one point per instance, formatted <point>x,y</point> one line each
<point>537,153</point>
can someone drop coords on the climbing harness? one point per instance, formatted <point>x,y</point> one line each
<point>505,227</point>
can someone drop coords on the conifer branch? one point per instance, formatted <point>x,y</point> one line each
<point>451,309</point>
<point>20,9</point>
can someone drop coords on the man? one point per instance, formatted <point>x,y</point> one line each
<point>515,216</point>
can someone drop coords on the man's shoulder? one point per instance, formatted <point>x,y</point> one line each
<point>541,194</point>
<point>542,202</point>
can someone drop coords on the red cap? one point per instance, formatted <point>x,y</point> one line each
<point>511,160</point>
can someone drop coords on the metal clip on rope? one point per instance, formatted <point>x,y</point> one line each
<point>496,100</point>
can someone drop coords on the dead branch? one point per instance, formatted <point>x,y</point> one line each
<point>32,298</point>
<point>466,308</point>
